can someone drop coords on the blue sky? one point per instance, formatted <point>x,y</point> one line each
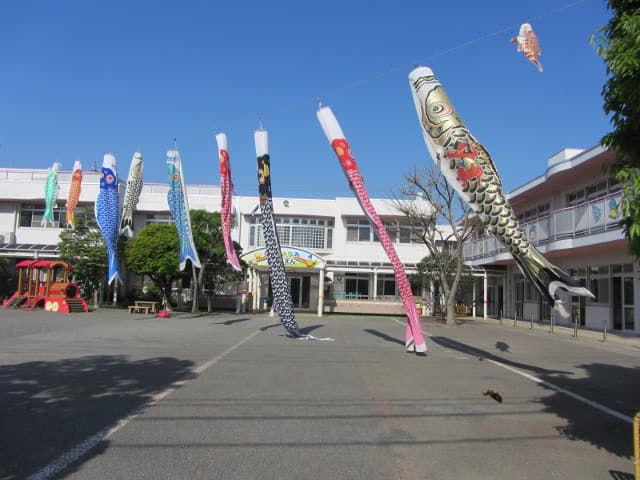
<point>83,78</point>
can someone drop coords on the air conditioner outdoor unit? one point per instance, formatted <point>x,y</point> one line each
<point>7,237</point>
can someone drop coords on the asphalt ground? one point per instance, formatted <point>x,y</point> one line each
<point>114,395</point>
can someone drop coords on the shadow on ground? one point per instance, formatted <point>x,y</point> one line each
<point>46,408</point>
<point>612,386</point>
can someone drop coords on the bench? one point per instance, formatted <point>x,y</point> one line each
<point>139,309</point>
<point>153,306</point>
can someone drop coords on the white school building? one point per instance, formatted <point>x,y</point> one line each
<point>570,213</point>
<point>334,261</point>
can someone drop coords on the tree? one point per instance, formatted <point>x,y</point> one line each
<point>84,248</point>
<point>618,43</point>
<point>443,229</point>
<point>215,271</point>
<point>154,252</point>
<point>8,278</point>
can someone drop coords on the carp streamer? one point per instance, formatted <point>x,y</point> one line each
<point>279,284</point>
<point>226,187</point>
<point>414,338</point>
<point>469,169</point>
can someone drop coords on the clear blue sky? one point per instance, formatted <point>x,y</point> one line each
<point>82,78</point>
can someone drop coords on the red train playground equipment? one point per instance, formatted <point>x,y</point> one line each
<point>44,283</point>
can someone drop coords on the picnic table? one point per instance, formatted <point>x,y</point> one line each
<point>143,306</point>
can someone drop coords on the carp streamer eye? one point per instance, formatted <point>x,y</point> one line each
<point>440,109</point>
<point>176,176</point>
<point>109,179</point>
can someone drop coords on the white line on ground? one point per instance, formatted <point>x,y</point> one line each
<point>79,450</point>
<point>535,379</point>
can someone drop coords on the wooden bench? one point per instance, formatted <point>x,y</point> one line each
<point>139,309</point>
<point>153,306</point>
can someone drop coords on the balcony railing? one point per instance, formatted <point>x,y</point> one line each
<point>595,216</point>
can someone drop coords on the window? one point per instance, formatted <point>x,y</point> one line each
<point>599,283</point>
<point>359,230</point>
<point>31,215</point>
<point>386,286</point>
<point>593,191</point>
<point>356,285</point>
<point>311,233</point>
<point>157,219</point>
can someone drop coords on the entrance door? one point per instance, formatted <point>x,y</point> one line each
<point>300,291</point>
<point>622,297</point>
<point>295,285</point>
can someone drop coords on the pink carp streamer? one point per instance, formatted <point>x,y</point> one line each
<point>414,338</point>
<point>227,187</point>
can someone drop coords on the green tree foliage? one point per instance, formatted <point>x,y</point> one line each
<point>207,236</point>
<point>8,277</point>
<point>618,43</point>
<point>84,248</point>
<point>154,252</point>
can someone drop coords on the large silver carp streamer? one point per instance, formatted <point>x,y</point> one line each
<point>468,168</point>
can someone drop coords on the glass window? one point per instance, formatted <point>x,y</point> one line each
<point>386,286</point>
<point>356,285</point>
<point>31,216</point>
<point>599,283</point>
<point>295,232</point>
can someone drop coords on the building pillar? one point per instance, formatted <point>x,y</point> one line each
<point>432,298</point>
<point>375,283</point>
<point>473,293</point>
<point>486,297</point>
<point>321,292</point>
<point>504,294</point>
<point>258,291</point>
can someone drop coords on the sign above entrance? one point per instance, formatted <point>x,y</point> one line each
<point>293,257</point>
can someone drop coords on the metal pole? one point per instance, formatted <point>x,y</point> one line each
<point>604,331</point>
<point>531,325</point>
<point>515,319</point>
<point>636,446</point>
<point>575,325</point>
<point>551,322</point>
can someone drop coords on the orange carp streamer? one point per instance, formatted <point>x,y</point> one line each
<point>74,194</point>
<point>528,44</point>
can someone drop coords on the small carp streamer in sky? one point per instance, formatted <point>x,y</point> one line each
<point>528,44</point>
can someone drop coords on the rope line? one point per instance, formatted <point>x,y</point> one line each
<point>350,86</point>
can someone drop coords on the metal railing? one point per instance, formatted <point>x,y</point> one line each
<point>589,218</point>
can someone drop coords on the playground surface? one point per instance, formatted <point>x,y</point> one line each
<point>108,394</point>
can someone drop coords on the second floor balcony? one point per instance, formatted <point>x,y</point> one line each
<point>589,218</point>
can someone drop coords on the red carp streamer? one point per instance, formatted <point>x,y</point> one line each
<point>414,338</point>
<point>227,187</point>
<point>528,44</point>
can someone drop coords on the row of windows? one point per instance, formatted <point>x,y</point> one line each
<point>593,191</point>
<point>357,285</point>
<point>31,216</point>
<point>295,236</point>
<point>597,279</point>
<point>359,230</point>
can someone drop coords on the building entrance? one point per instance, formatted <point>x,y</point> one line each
<point>622,297</point>
<point>300,287</point>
